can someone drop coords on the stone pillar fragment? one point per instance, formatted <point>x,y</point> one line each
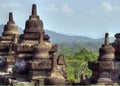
<point>54,61</point>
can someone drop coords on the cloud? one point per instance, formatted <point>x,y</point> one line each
<point>50,8</point>
<point>66,9</point>
<point>63,8</point>
<point>107,6</point>
<point>106,10</point>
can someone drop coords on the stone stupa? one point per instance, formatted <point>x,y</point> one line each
<point>35,58</point>
<point>8,38</point>
<point>33,26</point>
<point>106,69</point>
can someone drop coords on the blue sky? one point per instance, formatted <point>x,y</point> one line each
<point>90,18</point>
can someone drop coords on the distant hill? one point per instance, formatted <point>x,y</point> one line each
<point>58,37</point>
<point>70,41</point>
<point>1,28</point>
<point>61,38</point>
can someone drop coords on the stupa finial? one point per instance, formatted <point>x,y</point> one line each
<point>106,39</point>
<point>10,17</point>
<point>34,9</point>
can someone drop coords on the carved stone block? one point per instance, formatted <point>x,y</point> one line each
<point>39,74</point>
<point>43,64</point>
<point>117,65</point>
<point>10,60</point>
<point>106,65</point>
<point>24,48</point>
<point>61,60</point>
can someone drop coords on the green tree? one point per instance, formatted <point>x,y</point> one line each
<point>77,62</point>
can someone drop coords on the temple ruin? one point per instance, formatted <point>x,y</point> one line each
<point>29,58</point>
<point>106,69</point>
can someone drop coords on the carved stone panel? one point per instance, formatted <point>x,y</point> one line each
<point>106,65</point>
<point>24,48</point>
<point>38,74</point>
<point>10,59</point>
<point>41,65</point>
<point>117,65</point>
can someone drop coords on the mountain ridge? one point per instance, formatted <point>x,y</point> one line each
<point>72,42</point>
<point>62,38</point>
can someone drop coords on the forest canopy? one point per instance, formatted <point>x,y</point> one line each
<point>77,60</point>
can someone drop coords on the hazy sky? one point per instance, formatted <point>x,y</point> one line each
<point>74,17</point>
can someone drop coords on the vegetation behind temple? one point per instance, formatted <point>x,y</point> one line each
<point>76,60</point>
